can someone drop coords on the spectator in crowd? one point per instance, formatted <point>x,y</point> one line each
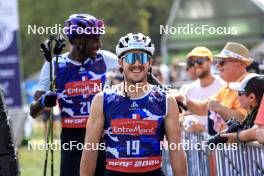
<point>231,64</point>
<point>253,68</point>
<point>164,69</point>
<point>250,91</point>
<point>199,60</point>
<point>157,73</point>
<point>174,73</point>
<point>260,122</point>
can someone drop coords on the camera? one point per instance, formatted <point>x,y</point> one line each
<point>233,126</point>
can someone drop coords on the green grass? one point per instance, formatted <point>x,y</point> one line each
<point>31,161</point>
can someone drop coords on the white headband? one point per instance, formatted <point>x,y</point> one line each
<point>234,55</point>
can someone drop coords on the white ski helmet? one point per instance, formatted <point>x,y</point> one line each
<point>134,41</point>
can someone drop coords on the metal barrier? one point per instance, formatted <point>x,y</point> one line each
<point>247,160</point>
<point>197,159</point>
<point>242,159</point>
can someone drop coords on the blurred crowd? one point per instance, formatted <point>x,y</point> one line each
<point>218,86</point>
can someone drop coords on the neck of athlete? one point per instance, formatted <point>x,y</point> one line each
<point>135,90</point>
<point>76,55</point>
<point>207,80</point>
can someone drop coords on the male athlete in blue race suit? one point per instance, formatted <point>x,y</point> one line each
<point>133,116</point>
<point>80,75</point>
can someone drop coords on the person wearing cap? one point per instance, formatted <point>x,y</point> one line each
<point>200,60</point>
<point>231,64</point>
<point>250,91</point>
<point>260,122</point>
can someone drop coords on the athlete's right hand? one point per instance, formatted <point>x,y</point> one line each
<point>48,99</point>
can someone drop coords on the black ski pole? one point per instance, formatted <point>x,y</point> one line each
<point>59,45</point>
<point>46,49</point>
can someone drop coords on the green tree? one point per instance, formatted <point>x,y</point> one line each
<point>120,17</point>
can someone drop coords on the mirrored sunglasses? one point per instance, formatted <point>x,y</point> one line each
<point>131,58</point>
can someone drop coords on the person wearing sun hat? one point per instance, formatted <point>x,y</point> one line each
<point>231,63</point>
<point>250,91</point>
<point>235,51</point>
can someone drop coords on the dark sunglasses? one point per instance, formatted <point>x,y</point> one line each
<point>156,74</point>
<point>200,61</point>
<point>131,58</point>
<point>223,62</point>
<point>240,93</point>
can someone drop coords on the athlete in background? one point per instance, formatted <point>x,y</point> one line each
<point>134,117</point>
<point>81,71</point>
